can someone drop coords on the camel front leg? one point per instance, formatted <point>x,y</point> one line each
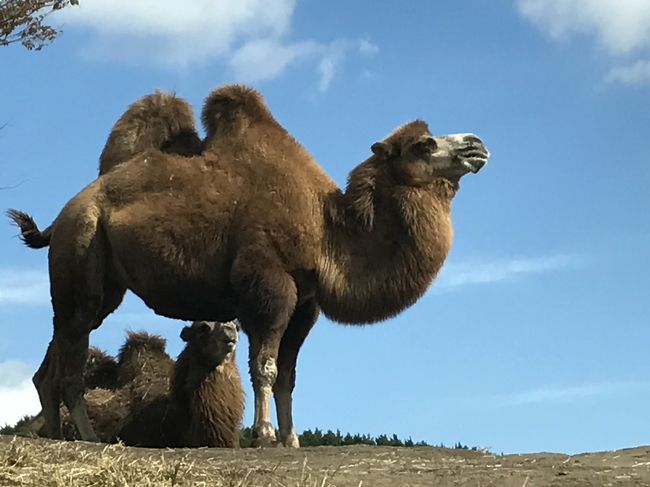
<point>267,300</point>
<point>301,323</point>
<point>263,371</point>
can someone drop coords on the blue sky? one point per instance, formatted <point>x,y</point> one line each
<point>534,337</point>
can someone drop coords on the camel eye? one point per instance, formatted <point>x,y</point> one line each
<point>425,147</point>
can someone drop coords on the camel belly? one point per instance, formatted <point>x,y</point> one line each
<point>176,262</point>
<point>189,301</point>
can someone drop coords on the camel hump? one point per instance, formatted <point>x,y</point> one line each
<point>157,121</point>
<point>232,107</point>
<point>101,370</point>
<point>29,232</point>
<point>141,341</point>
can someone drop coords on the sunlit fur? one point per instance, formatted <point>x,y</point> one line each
<point>253,229</point>
<point>197,401</point>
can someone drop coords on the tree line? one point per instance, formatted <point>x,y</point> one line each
<point>319,437</point>
<point>316,437</point>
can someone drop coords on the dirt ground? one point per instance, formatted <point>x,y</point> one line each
<point>42,462</point>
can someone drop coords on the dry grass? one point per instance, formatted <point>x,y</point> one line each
<point>78,464</point>
<point>47,463</point>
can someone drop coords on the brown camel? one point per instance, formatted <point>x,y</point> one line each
<point>252,229</point>
<point>196,401</point>
<point>205,404</point>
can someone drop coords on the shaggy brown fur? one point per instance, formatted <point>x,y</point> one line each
<point>143,356</point>
<point>100,379</point>
<point>101,370</point>
<point>207,385</point>
<point>254,229</point>
<point>156,121</point>
<point>203,407</point>
<point>141,375</point>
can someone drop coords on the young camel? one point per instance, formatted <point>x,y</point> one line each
<point>197,401</point>
<point>252,229</point>
<point>204,405</point>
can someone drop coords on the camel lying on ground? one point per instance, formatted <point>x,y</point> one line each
<point>197,401</point>
<point>252,229</point>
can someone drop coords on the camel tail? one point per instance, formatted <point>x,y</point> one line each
<point>29,232</point>
<point>157,121</point>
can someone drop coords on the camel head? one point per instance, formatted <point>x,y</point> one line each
<point>418,158</point>
<point>409,158</point>
<point>211,341</point>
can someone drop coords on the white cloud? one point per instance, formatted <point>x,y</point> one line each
<point>367,47</point>
<point>620,26</point>
<point>568,394</point>
<point>251,36</point>
<point>20,287</point>
<point>634,74</point>
<point>265,59</point>
<point>334,54</point>
<point>458,274</point>
<point>327,69</point>
<point>17,393</point>
<point>180,32</point>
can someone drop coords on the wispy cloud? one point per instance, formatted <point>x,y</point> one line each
<point>251,36</point>
<point>264,59</point>
<point>620,27</point>
<point>20,287</point>
<point>17,394</point>
<point>568,394</point>
<point>634,74</point>
<point>458,274</point>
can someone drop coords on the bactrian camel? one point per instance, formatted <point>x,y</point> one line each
<point>254,229</point>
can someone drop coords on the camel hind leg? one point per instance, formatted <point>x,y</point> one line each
<point>72,337</point>
<point>61,377</point>
<point>83,294</point>
<point>49,392</point>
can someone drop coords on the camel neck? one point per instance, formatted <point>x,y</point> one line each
<point>372,272</point>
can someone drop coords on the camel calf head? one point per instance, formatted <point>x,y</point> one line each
<point>212,341</point>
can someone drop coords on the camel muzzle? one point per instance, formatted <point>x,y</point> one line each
<point>469,151</point>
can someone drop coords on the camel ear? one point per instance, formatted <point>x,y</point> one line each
<point>383,150</point>
<point>187,333</point>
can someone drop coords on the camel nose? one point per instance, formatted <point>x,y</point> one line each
<point>471,152</point>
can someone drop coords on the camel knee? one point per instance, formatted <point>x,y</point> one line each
<point>264,372</point>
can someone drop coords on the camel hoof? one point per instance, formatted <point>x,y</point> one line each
<point>291,440</point>
<point>264,435</point>
<point>90,438</point>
